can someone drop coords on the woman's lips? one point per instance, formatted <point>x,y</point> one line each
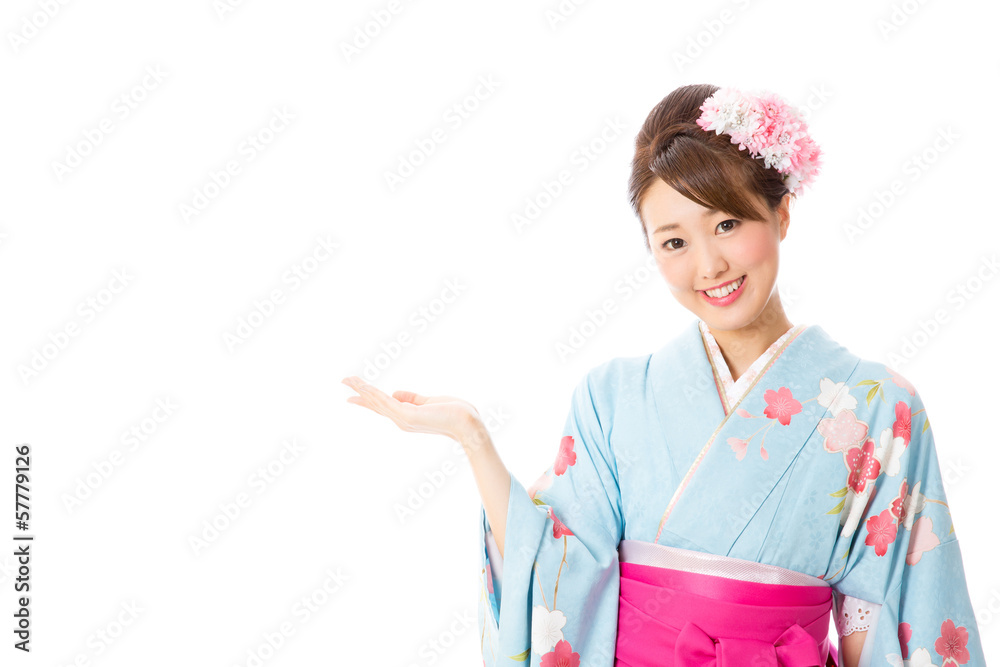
<point>725,300</point>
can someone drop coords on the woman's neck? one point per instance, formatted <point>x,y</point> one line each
<point>741,347</point>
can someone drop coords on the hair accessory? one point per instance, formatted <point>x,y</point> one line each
<point>769,128</point>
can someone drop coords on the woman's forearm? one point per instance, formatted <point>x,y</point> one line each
<point>492,478</point>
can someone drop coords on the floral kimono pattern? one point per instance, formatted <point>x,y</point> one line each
<point>847,489</point>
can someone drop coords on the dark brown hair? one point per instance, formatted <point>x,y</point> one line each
<point>703,166</point>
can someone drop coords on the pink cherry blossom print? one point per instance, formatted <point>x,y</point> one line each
<point>540,484</point>
<point>739,446</point>
<point>951,644</point>
<point>922,540</point>
<point>898,509</point>
<point>863,464</point>
<point>901,381</point>
<point>743,413</point>
<point>566,456</point>
<point>842,431</point>
<point>558,527</point>
<point>781,405</point>
<point>904,638</point>
<point>881,532</point>
<point>561,656</point>
<point>901,427</point>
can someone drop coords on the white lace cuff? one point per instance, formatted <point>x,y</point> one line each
<point>854,615</point>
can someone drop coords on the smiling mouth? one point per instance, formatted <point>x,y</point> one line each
<point>725,289</point>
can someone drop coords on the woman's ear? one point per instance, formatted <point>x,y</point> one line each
<point>784,214</point>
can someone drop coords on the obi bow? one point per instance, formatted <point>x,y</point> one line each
<point>794,648</point>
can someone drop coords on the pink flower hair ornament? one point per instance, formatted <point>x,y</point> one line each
<point>769,128</point>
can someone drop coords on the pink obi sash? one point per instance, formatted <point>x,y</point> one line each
<point>687,608</point>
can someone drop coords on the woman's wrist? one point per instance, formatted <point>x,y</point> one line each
<point>474,437</point>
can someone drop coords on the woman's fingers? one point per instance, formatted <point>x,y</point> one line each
<point>409,397</point>
<point>365,390</point>
<point>354,382</point>
<point>402,396</point>
<point>376,400</point>
<point>419,399</point>
<point>379,402</point>
<point>366,393</point>
<point>411,411</point>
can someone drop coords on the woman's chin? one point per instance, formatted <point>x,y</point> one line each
<point>730,318</point>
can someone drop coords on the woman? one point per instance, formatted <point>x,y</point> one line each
<point>715,501</point>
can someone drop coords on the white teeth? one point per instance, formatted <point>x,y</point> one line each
<point>725,289</point>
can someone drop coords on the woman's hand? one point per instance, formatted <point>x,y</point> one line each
<point>444,415</point>
<point>461,422</point>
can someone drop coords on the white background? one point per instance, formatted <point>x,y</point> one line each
<point>877,95</point>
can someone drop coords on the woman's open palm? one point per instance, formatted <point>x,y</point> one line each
<point>444,415</point>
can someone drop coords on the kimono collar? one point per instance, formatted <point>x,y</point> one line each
<point>699,433</point>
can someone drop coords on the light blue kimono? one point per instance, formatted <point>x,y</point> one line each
<point>825,466</point>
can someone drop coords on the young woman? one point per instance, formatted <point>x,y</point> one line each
<point>715,501</point>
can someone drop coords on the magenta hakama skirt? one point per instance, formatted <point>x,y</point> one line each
<point>691,609</point>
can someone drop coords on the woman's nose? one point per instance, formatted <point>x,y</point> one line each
<point>711,264</point>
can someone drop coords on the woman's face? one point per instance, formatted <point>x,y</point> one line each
<point>697,249</point>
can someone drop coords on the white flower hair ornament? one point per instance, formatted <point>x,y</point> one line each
<point>769,128</point>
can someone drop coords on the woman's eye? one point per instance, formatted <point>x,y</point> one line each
<point>724,222</point>
<point>729,226</point>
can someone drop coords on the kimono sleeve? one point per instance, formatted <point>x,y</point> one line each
<point>559,602</point>
<point>904,552</point>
